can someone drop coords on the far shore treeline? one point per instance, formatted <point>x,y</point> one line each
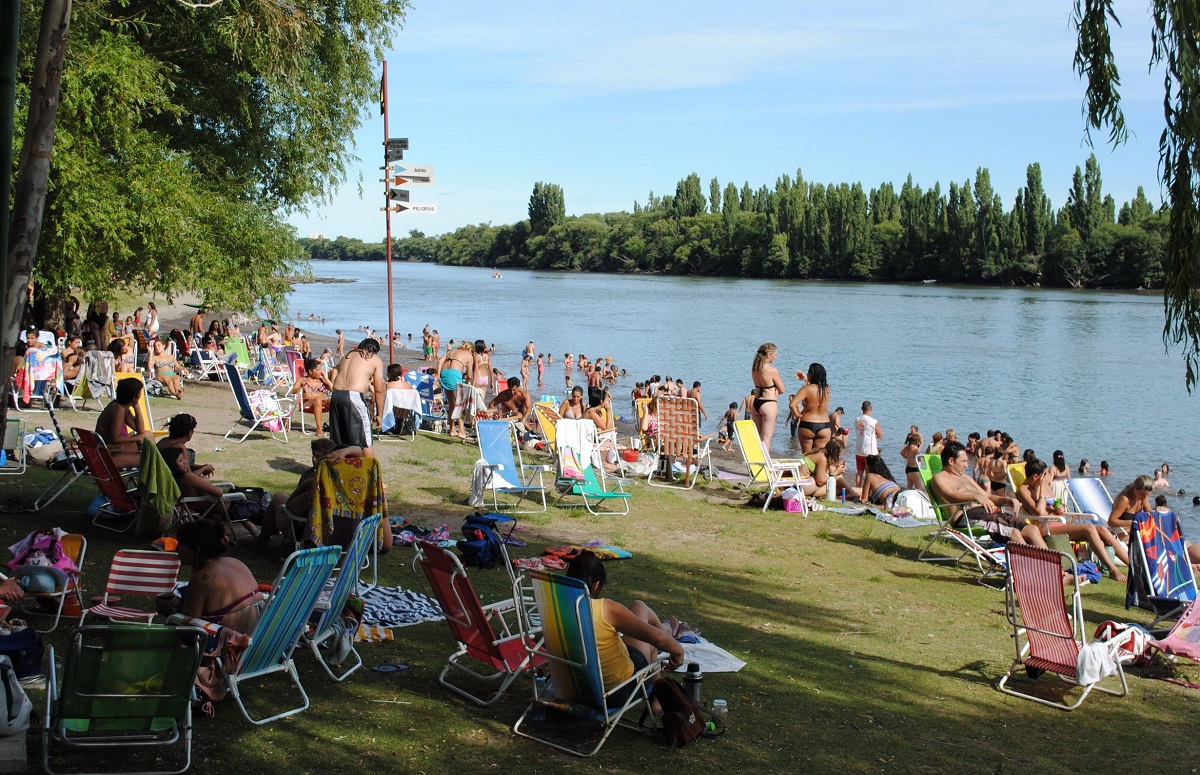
<point>805,230</point>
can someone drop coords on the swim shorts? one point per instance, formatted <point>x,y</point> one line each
<point>349,420</point>
<point>451,378</point>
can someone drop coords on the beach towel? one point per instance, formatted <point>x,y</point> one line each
<point>398,607</point>
<point>903,521</point>
<point>711,657</point>
<point>373,634</point>
<point>349,489</point>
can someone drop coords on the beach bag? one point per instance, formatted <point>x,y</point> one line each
<point>1128,643</point>
<point>263,403</point>
<point>23,650</point>
<point>14,702</point>
<point>916,502</point>
<point>683,719</point>
<point>481,545</point>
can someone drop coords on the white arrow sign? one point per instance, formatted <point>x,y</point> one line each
<point>416,207</point>
<point>419,170</point>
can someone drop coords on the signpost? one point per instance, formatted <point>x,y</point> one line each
<point>412,181</point>
<point>422,208</point>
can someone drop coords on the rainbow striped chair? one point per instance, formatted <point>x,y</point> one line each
<point>569,647</point>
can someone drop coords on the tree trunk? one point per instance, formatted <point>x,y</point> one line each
<point>29,197</point>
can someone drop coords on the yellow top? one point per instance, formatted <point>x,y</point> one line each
<point>615,664</point>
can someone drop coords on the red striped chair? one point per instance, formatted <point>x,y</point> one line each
<point>1047,637</point>
<point>136,573</point>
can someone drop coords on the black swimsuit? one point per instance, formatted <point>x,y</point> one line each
<point>758,402</point>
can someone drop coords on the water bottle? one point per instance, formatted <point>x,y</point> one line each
<point>843,496</point>
<point>831,489</point>
<point>693,681</point>
<point>539,684</point>
<point>3,457</point>
<point>720,709</point>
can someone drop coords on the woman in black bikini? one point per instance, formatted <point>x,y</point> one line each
<point>768,386</point>
<point>814,430</point>
<point>910,451</point>
<point>1133,499</point>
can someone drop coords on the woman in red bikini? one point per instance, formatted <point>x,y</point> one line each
<point>222,589</point>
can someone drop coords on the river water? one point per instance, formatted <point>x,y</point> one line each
<point>1080,371</point>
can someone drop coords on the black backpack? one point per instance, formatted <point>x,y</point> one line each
<point>683,719</point>
<point>481,544</point>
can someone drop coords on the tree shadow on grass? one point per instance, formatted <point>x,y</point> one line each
<point>287,464</point>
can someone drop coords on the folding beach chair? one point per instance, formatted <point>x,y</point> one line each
<point>13,446</point>
<point>1089,496</point>
<point>205,364</point>
<point>766,473</point>
<point>70,586</point>
<point>578,467</point>
<point>345,492</point>
<point>141,410</point>
<point>432,407</point>
<point>236,346</point>
<point>119,513</point>
<point>974,541</point>
<point>293,597</point>
<point>328,625</point>
<point>505,472</point>
<point>1160,576</point>
<point>74,466</point>
<point>1184,638</point>
<point>135,573</point>
<point>573,658</point>
<point>679,438</point>
<point>123,688</point>
<point>39,378</point>
<point>260,409</point>
<point>96,380</point>
<point>547,418</point>
<point>1047,637</point>
<point>482,632</point>
<point>396,403</point>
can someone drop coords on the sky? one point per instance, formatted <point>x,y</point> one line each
<point>618,99</point>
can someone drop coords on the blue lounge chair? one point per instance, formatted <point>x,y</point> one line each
<point>123,687</point>
<point>264,411</point>
<point>344,583</point>
<point>423,383</point>
<point>1089,496</point>
<point>293,597</point>
<point>505,473</point>
<point>573,658</point>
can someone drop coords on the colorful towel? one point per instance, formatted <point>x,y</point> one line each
<point>347,489</point>
<point>372,634</point>
<point>398,607</point>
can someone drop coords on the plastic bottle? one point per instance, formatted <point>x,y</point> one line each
<point>831,489</point>
<point>3,457</point>
<point>539,710</point>
<point>693,682</point>
<point>720,708</point>
<point>843,496</point>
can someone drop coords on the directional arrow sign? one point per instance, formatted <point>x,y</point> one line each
<point>397,195</point>
<point>412,180</point>
<point>394,154</point>
<point>421,208</point>
<point>420,170</point>
<point>399,143</point>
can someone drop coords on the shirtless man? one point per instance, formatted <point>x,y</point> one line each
<point>512,403</point>
<point>196,326</point>
<point>530,351</point>
<point>341,344</point>
<point>349,420</point>
<point>952,485</point>
<point>694,393</point>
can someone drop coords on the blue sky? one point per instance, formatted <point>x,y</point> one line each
<point>614,100</point>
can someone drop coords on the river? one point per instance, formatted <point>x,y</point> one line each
<point>1080,371</point>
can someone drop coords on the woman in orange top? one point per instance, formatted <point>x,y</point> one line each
<point>628,639</point>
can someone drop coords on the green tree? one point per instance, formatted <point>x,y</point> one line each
<point>547,207</point>
<point>1037,210</point>
<point>714,196</point>
<point>1175,53</point>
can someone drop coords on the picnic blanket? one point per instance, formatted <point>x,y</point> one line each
<point>398,607</point>
<point>711,657</point>
<point>906,521</point>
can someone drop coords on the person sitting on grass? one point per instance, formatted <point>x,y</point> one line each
<point>288,511</point>
<point>879,486</point>
<point>628,639</point>
<point>826,462</point>
<point>1036,498</point>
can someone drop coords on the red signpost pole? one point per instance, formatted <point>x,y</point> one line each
<point>387,200</point>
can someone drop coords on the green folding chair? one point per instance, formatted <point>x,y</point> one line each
<point>124,687</point>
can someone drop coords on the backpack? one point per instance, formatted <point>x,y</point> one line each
<point>481,546</point>
<point>917,502</point>
<point>14,702</point>
<point>683,719</point>
<point>1128,643</point>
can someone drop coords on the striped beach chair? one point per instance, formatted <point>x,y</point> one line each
<point>136,573</point>
<point>1089,496</point>
<point>1046,635</point>
<point>293,598</point>
<point>330,606</point>
<point>569,646</point>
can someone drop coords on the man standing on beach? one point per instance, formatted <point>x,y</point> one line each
<point>694,394</point>
<point>867,443</point>
<point>341,344</point>
<point>349,420</point>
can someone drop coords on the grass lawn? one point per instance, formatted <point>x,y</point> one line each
<point>860,659</point>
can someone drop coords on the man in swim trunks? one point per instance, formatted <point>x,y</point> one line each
<point>952,485</point>
<point>867,442</point>
<point>512,403</point>
<point>349,419</point>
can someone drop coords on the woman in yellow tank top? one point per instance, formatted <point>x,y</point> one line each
<point>627,638</point>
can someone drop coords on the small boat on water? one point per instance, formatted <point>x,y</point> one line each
<point>929,282</point>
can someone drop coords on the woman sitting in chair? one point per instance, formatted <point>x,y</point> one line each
<point>572,408</point>
<point>221,589</point>
<point>315,391</point>
<point>165,369</point>
<point>122,430</point>
<point>194,481</point>
<point>628,639</point>
<point>122,356</point>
